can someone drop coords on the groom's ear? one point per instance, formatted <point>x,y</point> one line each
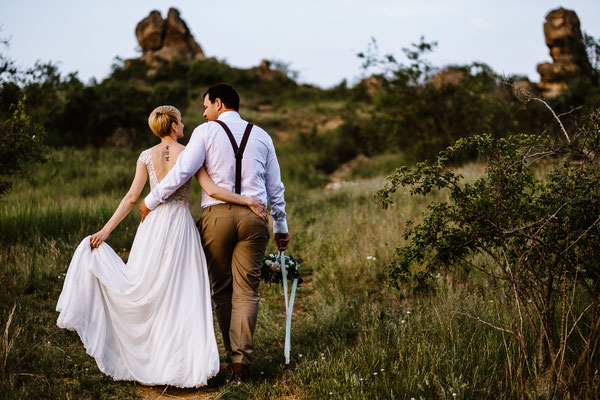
<point>218,103</point>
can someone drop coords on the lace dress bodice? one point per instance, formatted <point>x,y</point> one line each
<point>180,195</point>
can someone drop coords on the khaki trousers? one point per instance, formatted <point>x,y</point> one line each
<point>234,241</point>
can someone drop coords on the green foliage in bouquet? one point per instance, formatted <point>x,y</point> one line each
<point>532,224</point>
<point>271,269</point>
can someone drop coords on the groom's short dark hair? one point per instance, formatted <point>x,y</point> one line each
<point>228,95</point>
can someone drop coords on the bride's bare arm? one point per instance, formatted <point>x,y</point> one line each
<point>128,202</point>
<point>217,192</point>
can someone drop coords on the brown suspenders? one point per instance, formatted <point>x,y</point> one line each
<point>239,152</point>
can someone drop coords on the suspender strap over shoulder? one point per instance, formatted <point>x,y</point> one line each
<point>238,151</point>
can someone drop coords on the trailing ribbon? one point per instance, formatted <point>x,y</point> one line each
<point>289,306</point>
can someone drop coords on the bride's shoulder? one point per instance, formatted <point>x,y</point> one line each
<point>145,156</point>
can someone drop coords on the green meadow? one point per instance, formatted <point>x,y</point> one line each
<point>353,336</point>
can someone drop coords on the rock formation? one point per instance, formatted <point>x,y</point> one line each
<point>264,71</point>
<point>162,41</point>
<point>449,76</point>
<point>564,39</point>
<point>373,84</point>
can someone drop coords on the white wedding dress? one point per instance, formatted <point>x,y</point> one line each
<point>149,320</point>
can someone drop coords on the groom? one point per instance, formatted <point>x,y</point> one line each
<point>233,237</point>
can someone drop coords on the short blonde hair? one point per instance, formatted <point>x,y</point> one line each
<point>162,118</point>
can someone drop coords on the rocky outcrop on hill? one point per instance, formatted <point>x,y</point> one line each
<point>163,40</point>
<point>449,76</point>
<point>264,71</point>
<point>564,39</point>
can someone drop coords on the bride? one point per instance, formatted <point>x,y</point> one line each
<point>149,320</point>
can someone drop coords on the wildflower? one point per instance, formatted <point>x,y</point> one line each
<point>374,373</point>
<point>453,394</point>
<point>382,369</point>
<point>408,312</point>
<point>438,275</point>
<point>330,392</point>
<point>403,322</point>
<point>300,355</point>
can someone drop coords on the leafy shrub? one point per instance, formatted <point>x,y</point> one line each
<point>532,224</point>
<point>21,147</point>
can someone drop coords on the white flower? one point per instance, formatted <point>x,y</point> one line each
<point>300,355</point>
<point>453,394</point>
<point>276,267</point>
<point>403,322</point>
<point>374,373</point>
<point>382,369</point>
<point>371,258</point>
<point>408,312</point>
<point>33,137</point>
<point>438,275</point>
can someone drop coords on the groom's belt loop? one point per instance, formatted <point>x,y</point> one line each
<point>238,151</point>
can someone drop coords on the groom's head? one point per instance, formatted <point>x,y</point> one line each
<point>218,99</point>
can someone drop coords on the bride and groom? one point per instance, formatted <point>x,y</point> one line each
<point>150,320</point>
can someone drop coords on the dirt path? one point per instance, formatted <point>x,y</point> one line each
<point>169,392</point>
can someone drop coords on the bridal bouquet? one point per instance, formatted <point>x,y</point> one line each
<point>271,269</point>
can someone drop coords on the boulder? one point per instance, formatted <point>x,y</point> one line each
<point>163,40</point>
<point>449,76</point>
<point>373,84</point>
<point>264,71</point>
<point>565,42</point>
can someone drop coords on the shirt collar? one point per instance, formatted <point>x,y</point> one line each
<point>229,116</point>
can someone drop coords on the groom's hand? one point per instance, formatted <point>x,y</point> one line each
<point>144,211</point>
<point>281,240</point>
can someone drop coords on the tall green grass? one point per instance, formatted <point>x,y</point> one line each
<point>353,337</point>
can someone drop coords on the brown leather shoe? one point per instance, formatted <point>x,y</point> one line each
<point>240,371</point>
<point>224,368</point>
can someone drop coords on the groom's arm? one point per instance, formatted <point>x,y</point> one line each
<point>275,190</point>
<point>188,163</point>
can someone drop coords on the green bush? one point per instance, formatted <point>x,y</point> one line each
<point>21,147</point>
<point>536,236</point>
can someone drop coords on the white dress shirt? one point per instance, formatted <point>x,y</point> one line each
<point>210,146</point>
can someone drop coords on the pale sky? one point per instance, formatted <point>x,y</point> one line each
<point>319,38</point>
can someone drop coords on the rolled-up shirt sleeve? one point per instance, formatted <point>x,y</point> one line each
<point>275,191</point>
<point>188,163</point>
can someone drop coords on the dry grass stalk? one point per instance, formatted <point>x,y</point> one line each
<point>7,341</point>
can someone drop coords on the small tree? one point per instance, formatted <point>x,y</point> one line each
<point>21,146</point>
<point>532,223</point>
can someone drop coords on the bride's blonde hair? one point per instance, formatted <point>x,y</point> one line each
<point>162,118</point>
